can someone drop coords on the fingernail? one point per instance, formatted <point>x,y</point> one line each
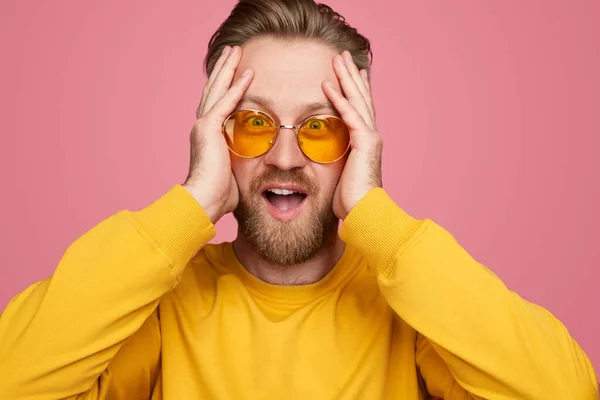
<point>328,83</point>
<point>225,50</point>
<point>246,72</point>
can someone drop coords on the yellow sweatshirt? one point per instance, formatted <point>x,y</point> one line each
<point>135,311</point>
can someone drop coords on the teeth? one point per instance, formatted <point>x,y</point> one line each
<point>282,191</point>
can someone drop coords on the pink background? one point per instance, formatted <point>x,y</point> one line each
<point>489,112</point>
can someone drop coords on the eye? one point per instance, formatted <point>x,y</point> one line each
<point>258,121</point>
<point>315,124</point>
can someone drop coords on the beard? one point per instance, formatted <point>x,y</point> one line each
<point>285,243</point>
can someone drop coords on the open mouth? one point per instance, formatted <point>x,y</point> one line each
<point>284,199</point>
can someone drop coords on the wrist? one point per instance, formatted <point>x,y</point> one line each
<point>210,208</point>
<point>352,201</point>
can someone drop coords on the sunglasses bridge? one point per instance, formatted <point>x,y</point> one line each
<point>292,127</point>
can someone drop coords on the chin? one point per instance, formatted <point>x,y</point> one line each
<point>289,241</point>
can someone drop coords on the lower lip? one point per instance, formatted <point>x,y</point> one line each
<point>281,215</point>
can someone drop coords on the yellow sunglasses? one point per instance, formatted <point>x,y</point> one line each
<point>251,133</point>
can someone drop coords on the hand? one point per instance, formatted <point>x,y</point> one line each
<point>362,171</point>
<point>210,179</point>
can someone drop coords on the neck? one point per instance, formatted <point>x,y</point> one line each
<point>307,272</point>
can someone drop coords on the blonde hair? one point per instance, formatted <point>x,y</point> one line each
<point>288,19</point>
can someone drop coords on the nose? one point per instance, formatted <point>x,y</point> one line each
<point>285,154</point>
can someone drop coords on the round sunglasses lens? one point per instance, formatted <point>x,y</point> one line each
<point>324,139</point>
<point>249,133</point>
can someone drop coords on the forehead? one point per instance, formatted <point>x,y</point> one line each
<point>289,73</point>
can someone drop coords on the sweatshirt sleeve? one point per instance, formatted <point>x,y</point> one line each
<point>492,343</point>
<point>58,336</point>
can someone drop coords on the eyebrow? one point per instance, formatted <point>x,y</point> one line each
<point>268,104</point>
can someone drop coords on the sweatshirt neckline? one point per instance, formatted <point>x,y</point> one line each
<point>292,293</point>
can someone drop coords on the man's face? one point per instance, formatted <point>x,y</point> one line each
<point>286,229</point>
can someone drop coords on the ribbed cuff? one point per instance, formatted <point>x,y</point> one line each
<point>177,225</point>
<point>376,227</point>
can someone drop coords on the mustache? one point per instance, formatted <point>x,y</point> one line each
<point>276,175</point>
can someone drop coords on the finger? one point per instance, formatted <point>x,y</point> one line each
<point>218,65</point>
<point>227,103</point>
<point>349,114</point>
<point>208,97</point>
<point>360,82</point>
<point>365,76</point>
<point>351,90</point>
<point>223,79</point>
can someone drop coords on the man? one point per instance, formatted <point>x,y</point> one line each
<point>140,307</point>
